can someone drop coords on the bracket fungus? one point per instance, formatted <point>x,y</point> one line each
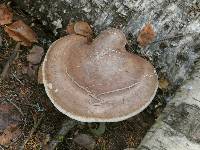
<point>98,81</point>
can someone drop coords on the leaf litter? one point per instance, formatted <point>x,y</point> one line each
<point>21,32</point>
<point>6,16</point>
<point>9,124</point>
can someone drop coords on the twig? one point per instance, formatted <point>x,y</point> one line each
<point>67,125</point>
<point>10,61</point>
<point>33,130</point>
<point>1,148</point>
<point>21,112</point>
<point>17,79</point>
<point>19,109</point>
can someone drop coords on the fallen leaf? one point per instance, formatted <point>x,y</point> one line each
<point>146,35</point>
<point>5,108</point>
<point>10,60</point>
<point>35,55</point>
<point>9,123</point>
<point>7,116</point>
<point>21,32</point>
<point>9,134</point>
<point>6,15</point>
<point>86,141</point>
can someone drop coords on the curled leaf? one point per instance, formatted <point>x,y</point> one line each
<point>146,35</point>
<point>35,55</point>
<point>21,32</point>
<point>6,15</point>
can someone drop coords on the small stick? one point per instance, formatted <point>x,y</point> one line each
<point>19,109</point>
<point>33,130</point>
<point>17,79</point>
<point>10,61</point>
<point>2,147</point>
<point>67,125</point>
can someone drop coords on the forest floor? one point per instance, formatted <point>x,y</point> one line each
<point>25,105</point>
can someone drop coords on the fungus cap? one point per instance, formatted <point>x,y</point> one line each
<point>98,81</point>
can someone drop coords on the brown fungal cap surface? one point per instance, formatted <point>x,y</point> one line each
<point>98,81</point>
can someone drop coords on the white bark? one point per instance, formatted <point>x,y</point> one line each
<point>178,128</point>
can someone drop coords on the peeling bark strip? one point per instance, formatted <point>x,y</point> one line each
<point>176,23</point>
<point>178,128</point>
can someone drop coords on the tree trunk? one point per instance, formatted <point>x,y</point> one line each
<point>178,128</point>
<point>176,22</point>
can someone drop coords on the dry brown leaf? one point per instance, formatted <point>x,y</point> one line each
<point>6,15</point>
<point>7,116</point>
<point>21,32</point>
<point>9,121</point>
<point>146,35</point>
<point>35,55</point>
<point>5,108</point>
<point>9,134</point>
